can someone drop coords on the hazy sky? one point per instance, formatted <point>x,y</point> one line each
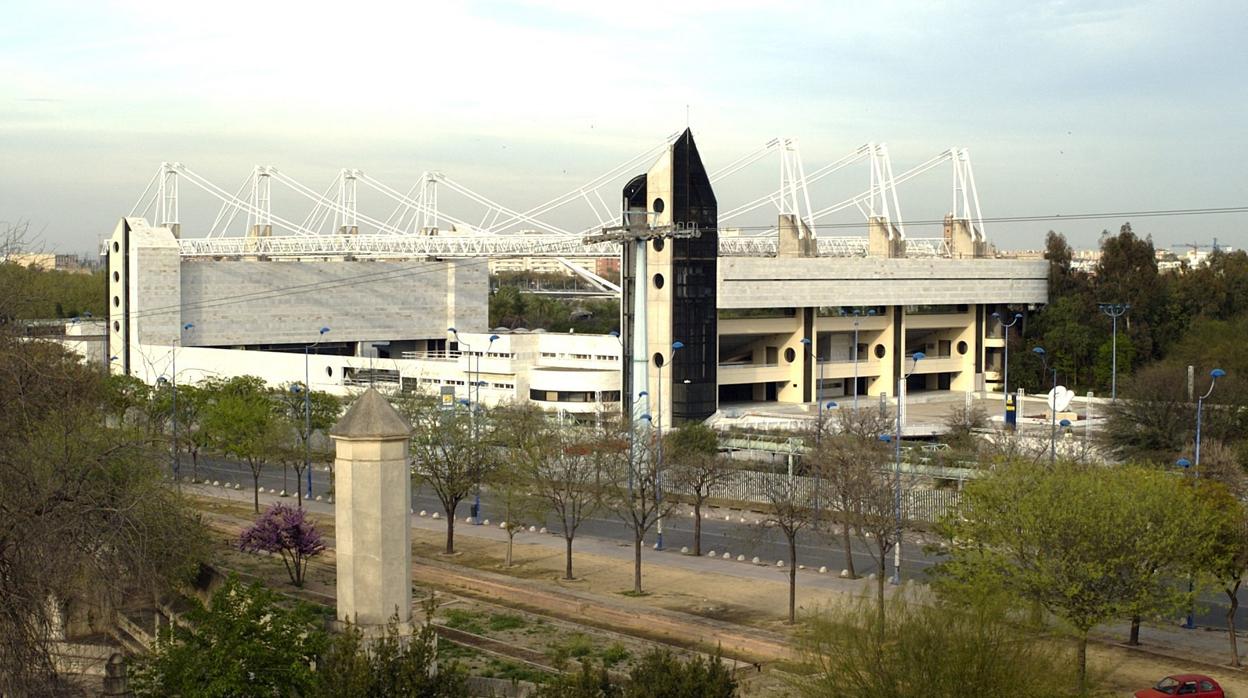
<point>1066,107</point>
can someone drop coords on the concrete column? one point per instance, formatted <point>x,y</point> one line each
<point>372,504</point>
<point>883,239</point>
<point>961,242</point>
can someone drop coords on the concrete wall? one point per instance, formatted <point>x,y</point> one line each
<point>241,302</point>
<point>765,282</point>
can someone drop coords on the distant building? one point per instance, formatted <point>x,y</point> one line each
<point>49,261</point>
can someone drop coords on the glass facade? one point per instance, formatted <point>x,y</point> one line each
<point>694,314</point>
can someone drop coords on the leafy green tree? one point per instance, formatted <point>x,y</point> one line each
<point>86,516</point>
<point>1086,543</point>
<point>303,420</point>
<point>244,643</point>
<point>661,674</point>
<point>589,682</point>
<point>928,648</point>
<point>244,425</point>
<point>392,666</point>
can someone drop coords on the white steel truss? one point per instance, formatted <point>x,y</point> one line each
<point>417,227</point>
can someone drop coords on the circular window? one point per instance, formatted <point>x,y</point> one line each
<point>879,351</point>
<point>962,347</point>
<point>116,247</point>
<point>658,281</point>
<point>658,359</point>
<point>658,244</point>
<point>789,355</point>
<point>116,326</point>
<point>329,370</point>
<point>658,206</point>
<point>116,302</point>
<point>116,276</point>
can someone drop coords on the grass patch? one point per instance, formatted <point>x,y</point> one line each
<point>506,621</point>
<point>614,654</point>
<point>467,621</point>
<point>634,594</point>
<point>574,646</point>
<point>512,671</point>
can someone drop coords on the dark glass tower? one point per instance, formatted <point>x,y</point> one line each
<point>680,286</point>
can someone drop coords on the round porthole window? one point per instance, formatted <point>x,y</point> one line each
<point>658,244</point>
<point>962,347</point>
<point>658,206</point>
<point>658,360</point>
<point>658,281</point>
<point>879,351</point>
<point>116,326</point>
<point>329,370</point>
<point>116,302</point>
<point>116,276</point>
<point>116,247</point>
<point>789,355</point>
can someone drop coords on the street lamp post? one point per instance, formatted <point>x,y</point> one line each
<point>901,397</point>
<point>857,321</point>
<point>1005,378</point>
<point>307,410</point>
<point>1114,311</point>
<point>1214,375</point>
<point>1044,360</point>
<point>810,351</point>
<point>476,502</point>
<point>1186,465</point>
<point>173,370</point>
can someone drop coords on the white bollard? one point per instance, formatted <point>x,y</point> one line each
<point>486,522</point>
<point>755,560</point>
<point>532,529</point>
<point>740,558</point>
<point>727,556</point>
<point>502,525</point>
<point>467,519</point>
<point>216,483</point>
<point>318,497</point>
<point>779,563</point>
<point>844,574</point>
<point>542,529</point>
<point>436,515</point>
<point>823,569</point>
<point>424,512</point>
<point>684,550</point>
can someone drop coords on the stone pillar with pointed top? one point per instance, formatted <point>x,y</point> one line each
<point>372,503</point>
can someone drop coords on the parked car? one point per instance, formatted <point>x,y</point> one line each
<point>1197,685</point>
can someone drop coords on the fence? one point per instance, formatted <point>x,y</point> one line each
<point>918,504</point>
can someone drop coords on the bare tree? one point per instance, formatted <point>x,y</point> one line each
<point>876,516</point>
<point>633,477</point>
<point>697,469</point>
<point>449,452</point>
<point>560,466</point>
<point>791,509</point>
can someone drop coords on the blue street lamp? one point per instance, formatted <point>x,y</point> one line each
<point>307,408</point>
<point>1114,311</point>
<point>1005,378</point>
<point>1190,622</point>
<point>1044,360</point>
<point>1214,375</point>
<point>901,397</point>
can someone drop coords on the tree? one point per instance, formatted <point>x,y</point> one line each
<point>1150,419</point>
<point>874,511</point>
<point>660,674</point>
<point>242,421</point>
<point>303,419</point>
<point>697,469</point>
<point>564,475</point>
<point>447,453</point>
<point>846,464</point>
<point>193,437</point>
<point>928,648</point>
<point>790,508</point>
<point>392,666</point>
<point>287,532</point>
<point>245,642</point>
<point>86,516</point>
<point>1083,542</point>
<point>589,682</point>
<point>632,479</point>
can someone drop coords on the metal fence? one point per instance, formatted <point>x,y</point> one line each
<point>919,504</point>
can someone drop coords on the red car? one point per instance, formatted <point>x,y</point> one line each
<point>1184,685</point>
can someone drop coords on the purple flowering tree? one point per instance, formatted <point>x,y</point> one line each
<point>287,531</point>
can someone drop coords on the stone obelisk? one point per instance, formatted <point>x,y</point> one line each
<point>372,505</point>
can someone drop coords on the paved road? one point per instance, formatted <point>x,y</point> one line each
<point>733,536</point>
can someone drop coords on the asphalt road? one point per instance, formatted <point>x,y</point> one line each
<point>734,536</point>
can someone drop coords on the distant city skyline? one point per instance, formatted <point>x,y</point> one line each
<point>1067,107</point>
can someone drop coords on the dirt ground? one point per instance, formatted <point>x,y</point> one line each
<point>755,603</point>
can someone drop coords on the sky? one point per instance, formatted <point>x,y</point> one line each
<point>1066,107</point>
